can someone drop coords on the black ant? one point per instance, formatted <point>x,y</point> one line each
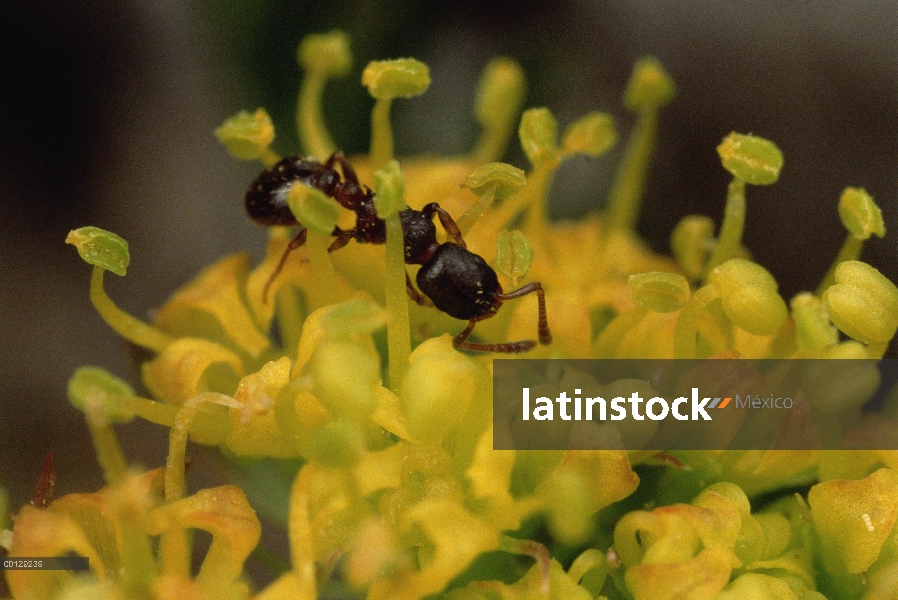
<point>452,278</point>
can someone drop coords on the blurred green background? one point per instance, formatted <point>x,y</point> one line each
<point>107,109</point>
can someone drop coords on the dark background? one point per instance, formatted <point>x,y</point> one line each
<point>107,109</point>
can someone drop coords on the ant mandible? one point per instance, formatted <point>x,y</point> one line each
<point>452,278</point>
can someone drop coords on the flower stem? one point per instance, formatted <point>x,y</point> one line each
<point>381,134</point>
<point>475,211</point>
<point>174,545</point>
<point>687,323</point>
<point>730,239</point>
<point>851,250</point>
<point>130,328</point>
<point>301,543</point>
<point>398,332</point>
<point>109,451</point>
<point>608,343</point>
<point>313,133</point>
<point>537,219</point>
<point>326,289</point>
<point>625,198</point>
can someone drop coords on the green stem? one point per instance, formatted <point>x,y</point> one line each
<point>174,544</point>
<point>476,210</point>
<point>130,328</point>
<point>533,197</point>
<point>851,250</point>
<point>398,331</point>
<point>381,134</point>
<point>301,536</point>
<point>313,134</point>
<point>326,289</point>
<point>687,323</point>
<point>109,451</point>
<point>537,221</point>
<point>155,412</point>
<point>625,198</point>
<point>730,240</point>
<point>608,342</point>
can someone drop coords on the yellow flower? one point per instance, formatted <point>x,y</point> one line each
<point>399,483</point>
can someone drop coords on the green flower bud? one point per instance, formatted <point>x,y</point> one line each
<point>860,215</point>
<point>592,134</point>
<point>749,296</point>
<point>101,248</point>
<point>352,317</point>
<point>245,135</point>
<point>650,85</point>
<point>345,377</point>
<point>500,94</point>
<point>437,389</point>
<point>538,133</point>
<point>863,303</point>
<point>752,159</point>
<point>93,388</point>
<point>505,179</point>
<point>691,242</point>
<point>400,78</point>
<point>659,292</point>
<point>313,209</point>
<point>325,54</point>
<point>389,186</point>
<point>853,519</point>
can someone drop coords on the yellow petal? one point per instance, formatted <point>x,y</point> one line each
<point>212,307</point>
<point>180,371</point>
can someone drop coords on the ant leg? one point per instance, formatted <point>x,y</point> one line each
<point>415,294</point>
<point>545,336</point>
<point>341,238</point>
<point>340,159</point>
<point>446,221</point>
<point>295,243</point>
<point>459,343</point>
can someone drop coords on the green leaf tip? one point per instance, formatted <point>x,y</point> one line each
<point>860,214</point>
<point>246,136</point>
<point>752,159</point>
<point>93,388</point>
<point>593,134</point>
<point>325,54</point>
<point>101,248</point>
<point>399,78</point>
<point>313,209</point>
<point>650,85</point>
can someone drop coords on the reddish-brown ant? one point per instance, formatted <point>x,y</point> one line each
<point>452,278</point>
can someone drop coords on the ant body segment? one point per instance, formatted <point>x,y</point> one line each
<point>452,278</point>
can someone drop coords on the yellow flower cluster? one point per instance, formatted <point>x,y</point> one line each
<point>399,484</point>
